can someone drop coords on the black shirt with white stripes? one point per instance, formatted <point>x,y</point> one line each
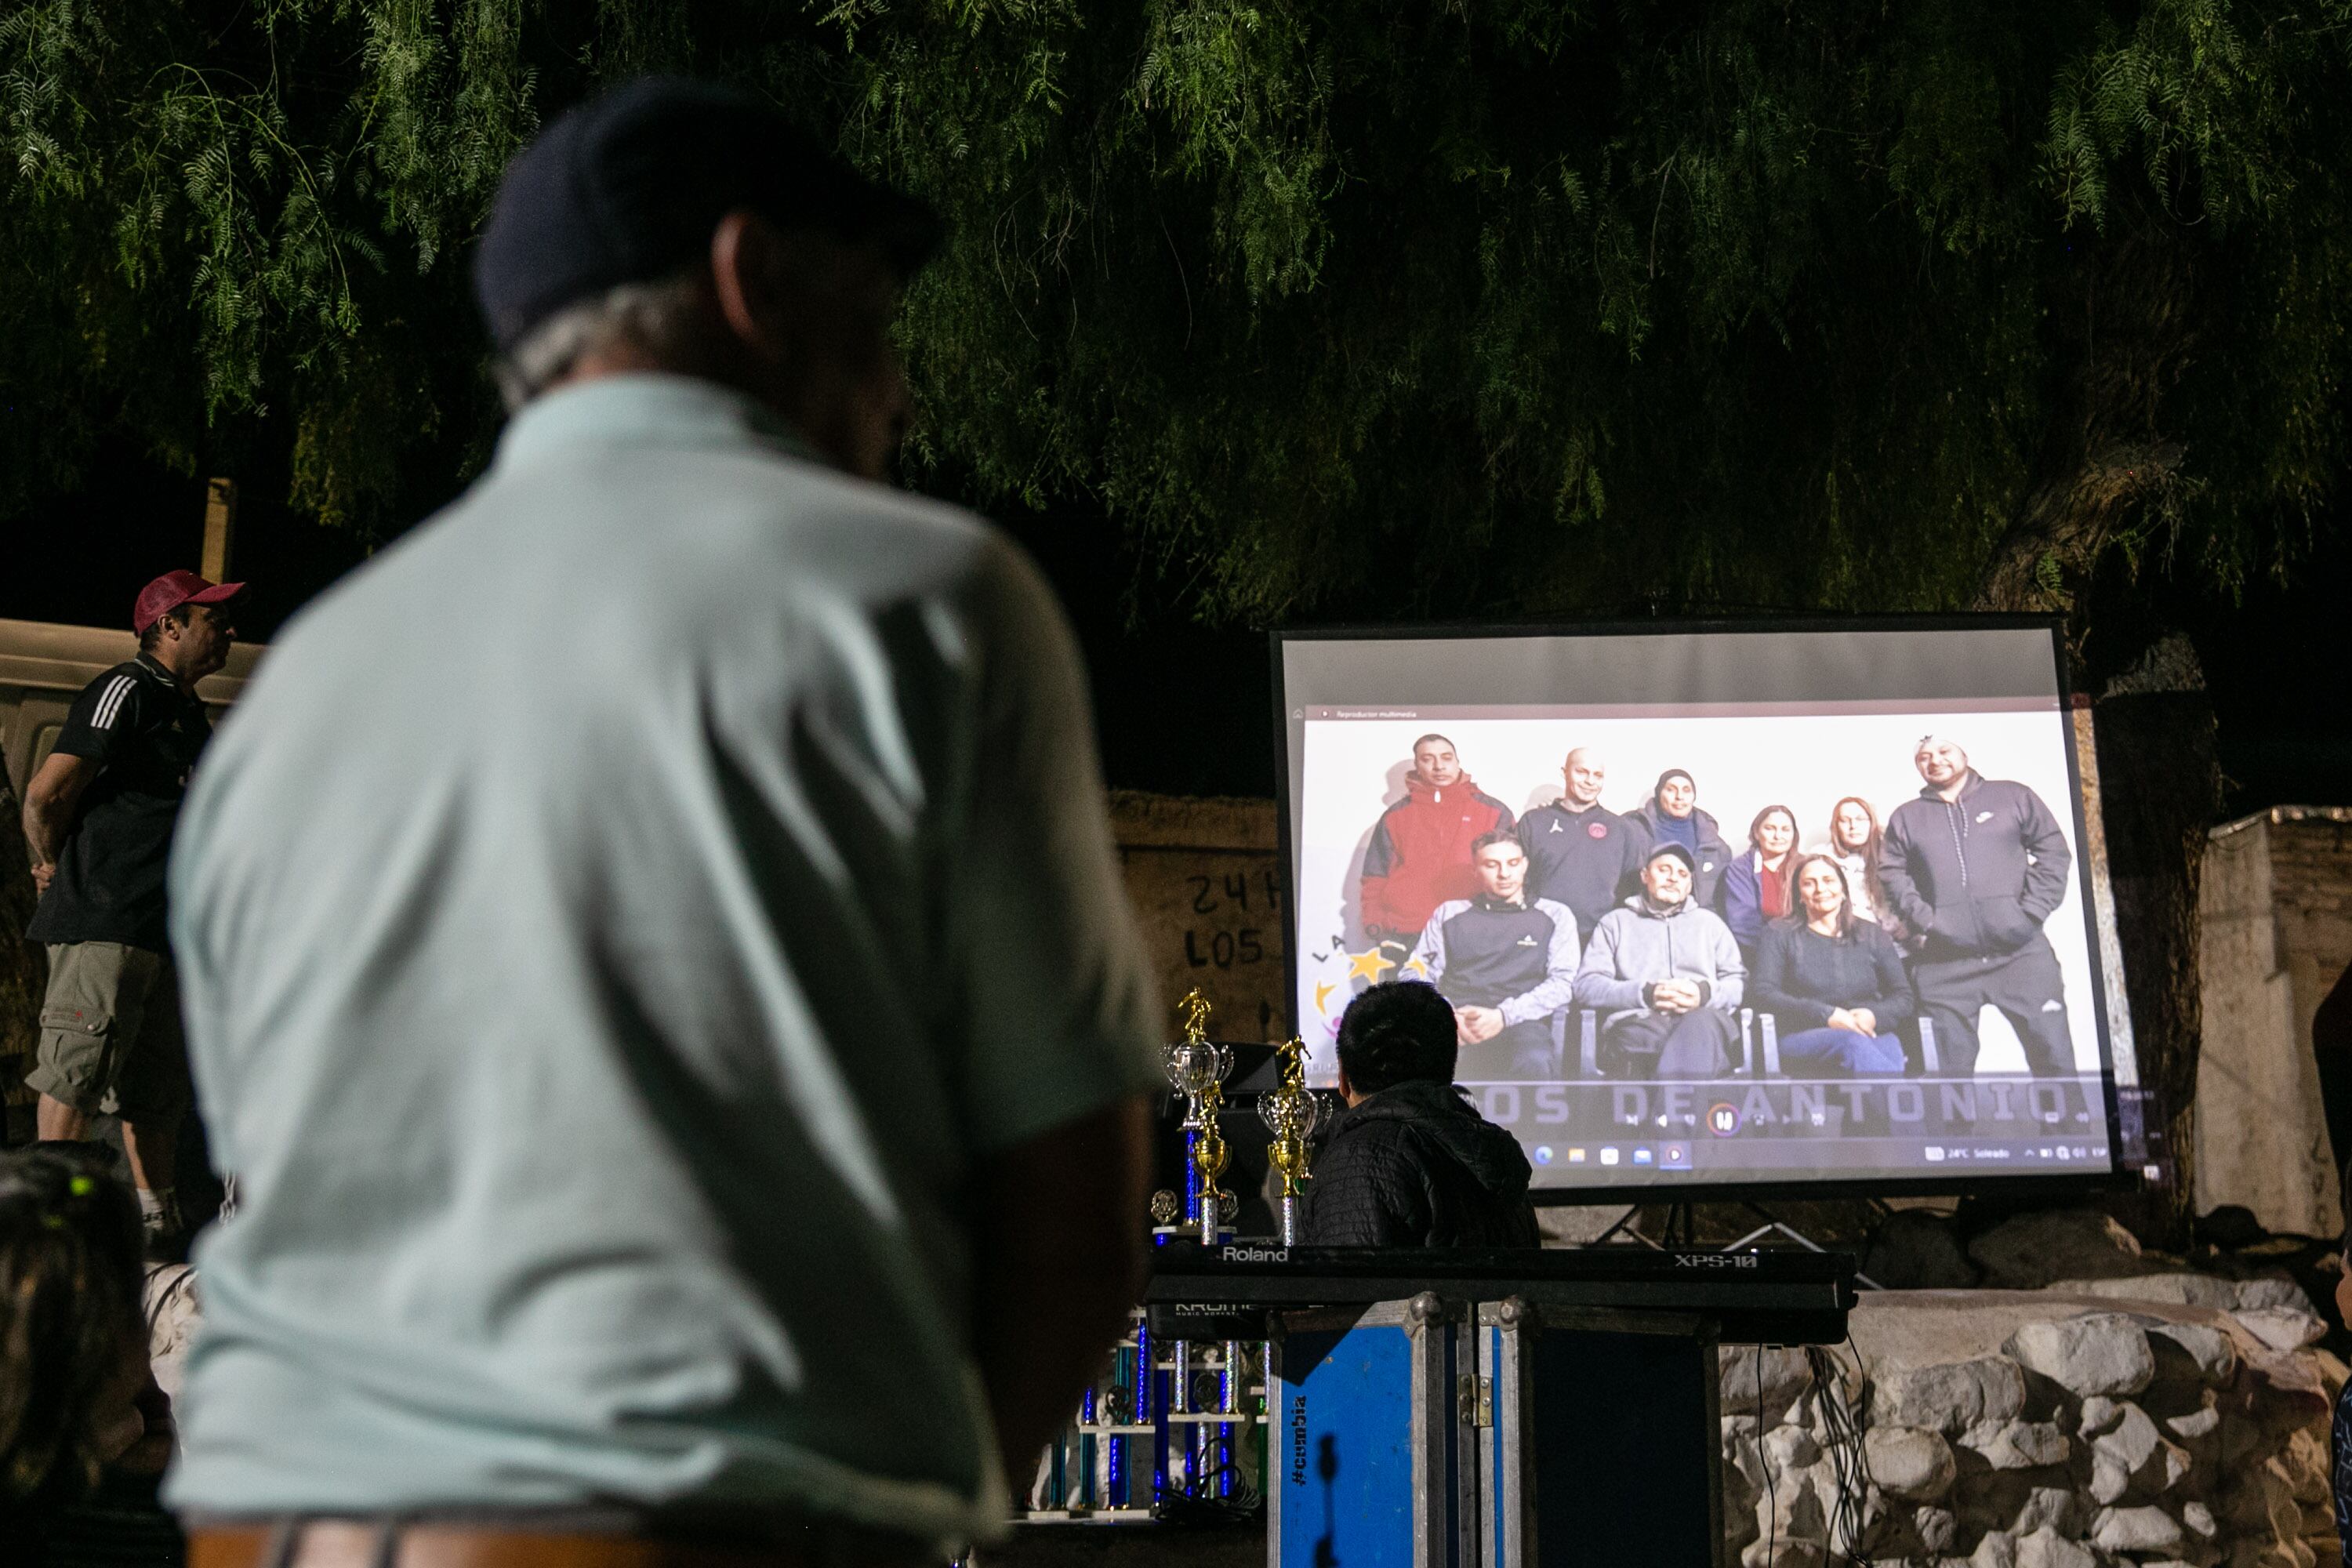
<point>145,733</point>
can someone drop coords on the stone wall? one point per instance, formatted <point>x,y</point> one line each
<point>2176,1419</point>
<point>2276,912</point>
<point>1208,888</point>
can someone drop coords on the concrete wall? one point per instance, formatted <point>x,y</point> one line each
<point>1208,888</point>
<point>2276,912</point>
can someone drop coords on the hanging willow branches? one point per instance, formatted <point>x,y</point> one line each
<point>1512,308</point>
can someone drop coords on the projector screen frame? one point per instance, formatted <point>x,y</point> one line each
<point>1945,1183</point>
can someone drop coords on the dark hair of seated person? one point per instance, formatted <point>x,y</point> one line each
<point>1400,1031</point>
<point>73,1333</point>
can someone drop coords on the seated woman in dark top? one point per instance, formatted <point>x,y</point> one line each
<point>1835,982</point>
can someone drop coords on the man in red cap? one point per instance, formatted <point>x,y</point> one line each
<point>98,816</point>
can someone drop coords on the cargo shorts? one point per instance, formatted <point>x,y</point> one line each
<point>111,1035</point>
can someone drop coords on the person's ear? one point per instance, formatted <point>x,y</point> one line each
<point>747,262</point>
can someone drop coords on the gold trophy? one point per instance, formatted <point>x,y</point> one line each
<point>1196,1068</point>
<point>1291,1113</point>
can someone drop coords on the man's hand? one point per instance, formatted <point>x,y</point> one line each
<point>1477,1024</point>
<point>1052,1293</point>
<point>1672,997</point>
<point>50,801</point>
<point>1842,1018</point>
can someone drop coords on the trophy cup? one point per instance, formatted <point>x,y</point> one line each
<point>1291,1113</point>
<point>1196,1068</point>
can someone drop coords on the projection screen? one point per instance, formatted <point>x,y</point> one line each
<point>1613,852</point>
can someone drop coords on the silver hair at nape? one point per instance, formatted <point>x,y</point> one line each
<point>660,318</point>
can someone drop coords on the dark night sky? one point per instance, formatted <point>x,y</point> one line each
<point>1183,709</point>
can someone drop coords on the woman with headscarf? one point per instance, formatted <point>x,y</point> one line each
<point>1671,815</point>
<point>1756,887</point>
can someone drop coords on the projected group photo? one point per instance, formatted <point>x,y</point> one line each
<point>1741,939</point>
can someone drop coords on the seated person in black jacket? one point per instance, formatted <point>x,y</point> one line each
<point>1835,981</point>
<point>1411,1162</point>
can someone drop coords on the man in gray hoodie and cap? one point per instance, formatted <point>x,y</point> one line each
<point>1667,976</point>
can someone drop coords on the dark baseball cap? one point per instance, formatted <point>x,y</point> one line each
<point>627,188</point>
<point>1689,860</point>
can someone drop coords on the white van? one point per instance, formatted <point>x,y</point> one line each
<point>44,667</point>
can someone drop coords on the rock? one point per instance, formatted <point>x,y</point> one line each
<point>1790,1449</point>
<point>2281,1328</point>
<point>2198,1520</point>
<point>2046,1547</point>
<point>2034,1249</point>
<point>2109,1479</point>
<point>2271,1555</point>
<point>2099,1414</point>
<point>2206,1350</point>
<point>2271,1291</point>
<point>1786,1552</point>
<point>1909,1462</point>
<point>2052,1508</point>
<point>2018,1502</point>
<point>2017,1445</point>
<point>2136,1530</point>
<point>2284,1388</point>
<point>2135,1449</point>
<point>2196,1425</point>
<point>1782,1375</point>
<point>1998,1549</point>
<point>1950,1397</point>
<point>2333,1375</point>
<point>1936,1529</point>
<point>2100,1353</point>
<point>1915,1250</point>
<point>2262,1505</point>
<point>2177,1289</point>
<point>2135,1439</point>
<point>2303,1464</point>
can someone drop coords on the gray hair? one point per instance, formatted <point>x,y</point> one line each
<point>661,318</point>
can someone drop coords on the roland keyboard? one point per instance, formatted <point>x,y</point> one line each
<point>1764,1298</point>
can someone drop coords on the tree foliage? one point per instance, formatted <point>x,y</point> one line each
<point>1506,307</point>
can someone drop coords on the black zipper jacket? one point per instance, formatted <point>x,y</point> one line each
<point>1978,874</point>
<point>1416,1166</point>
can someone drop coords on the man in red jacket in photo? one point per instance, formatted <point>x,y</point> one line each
<point>1420,853</point>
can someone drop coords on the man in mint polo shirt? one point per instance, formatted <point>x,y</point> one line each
<point>653,952</point>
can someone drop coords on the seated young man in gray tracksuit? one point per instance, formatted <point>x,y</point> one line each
<point>1667,976</point>
<point>1975,866</point>
<point>1506,962</point>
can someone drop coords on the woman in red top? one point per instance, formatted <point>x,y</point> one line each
<point>1756,887</point>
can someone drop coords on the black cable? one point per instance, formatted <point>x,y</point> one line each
<point>1180,1509</point>
<point>1764,1462</point>
<point>1849,1458</point>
